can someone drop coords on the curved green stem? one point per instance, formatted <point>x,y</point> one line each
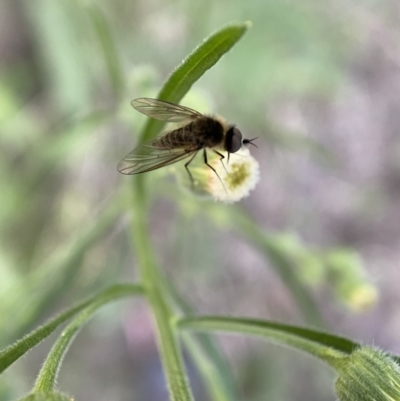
<point>327,347</point>
<point>10,354</point>
<point>47,376</point>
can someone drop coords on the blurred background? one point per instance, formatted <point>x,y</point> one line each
<point>317,81</point>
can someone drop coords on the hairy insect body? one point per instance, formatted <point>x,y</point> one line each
<point>205,132</point>
<point>197,132</point>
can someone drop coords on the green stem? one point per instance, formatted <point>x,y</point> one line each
<point>176,86</point>
<point>10,354</point>
<point>205,353</point>
<point>312,342</point>
<point>170,354</point>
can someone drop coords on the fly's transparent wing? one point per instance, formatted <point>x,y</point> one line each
<point>165,111</point>
<point>147,157</point>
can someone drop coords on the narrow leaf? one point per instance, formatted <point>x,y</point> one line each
<point>48,374</point>
<point>322,345</point>
<point>193,67</point>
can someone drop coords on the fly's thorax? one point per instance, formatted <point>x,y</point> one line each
<point>209,131</point>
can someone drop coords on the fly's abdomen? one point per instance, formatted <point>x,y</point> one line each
<point>179,138</point>
<point>202,133</point>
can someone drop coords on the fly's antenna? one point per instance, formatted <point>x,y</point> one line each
<point>250,141</point>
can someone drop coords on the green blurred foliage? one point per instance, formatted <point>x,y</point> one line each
<point>65,122</point>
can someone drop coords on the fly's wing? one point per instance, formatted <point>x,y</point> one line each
<point>165,111</point>
<point>147,157</point>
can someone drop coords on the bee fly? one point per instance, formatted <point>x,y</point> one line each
<point>197,132</point>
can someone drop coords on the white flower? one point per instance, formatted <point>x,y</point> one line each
<point>235,178</point>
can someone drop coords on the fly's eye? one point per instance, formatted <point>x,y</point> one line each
<point>233,141</point>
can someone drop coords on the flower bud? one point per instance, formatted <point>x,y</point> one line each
<point>368,374</point>
<point>359,295</point>
<point>350,280</point>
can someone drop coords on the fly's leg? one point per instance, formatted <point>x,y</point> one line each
<point>188,171</point>
<point>211,167</point>
<point>221,158</point>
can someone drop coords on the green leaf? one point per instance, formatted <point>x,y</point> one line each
<point>10,354</point>
<point>193,67</point>
<point>48,374</point>
<point>324,346</point>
